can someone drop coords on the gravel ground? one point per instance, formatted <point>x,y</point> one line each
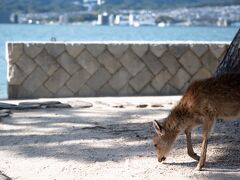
<point>110,140</point>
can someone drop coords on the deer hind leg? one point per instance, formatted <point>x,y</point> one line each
<point>190,150</point>
<point>206,130</point>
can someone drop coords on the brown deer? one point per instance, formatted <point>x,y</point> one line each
<point>204,101</point>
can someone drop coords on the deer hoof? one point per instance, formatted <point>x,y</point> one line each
<point>199,167</point>
<point>196,157</point>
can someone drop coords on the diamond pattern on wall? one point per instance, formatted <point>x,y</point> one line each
<point>158,49</point>
<point>77,80</point>
<point>168,89</point>
<point>57,80</point>
<point>209,61</point>
<point>152,63</point>
<point>161,79</point>
<point>74,49</point>
<point>202,73</point>
<point>199,49</point>
<point>54,49</point>
<point>38,70</point>
<point>117,50</point>
<point>190,62</point>
<point>99,79</point>
<point>32,50</point>
<point>170,62</point>
<point>47,63</point>
<point>26,64</point>
<point>42,92</point>
<point>85,91</point>
<point>119,79</point>
<point>180,79</point>
<point>65,92</point>
<point>95,49</point>
<point>132,62</point>
<point>34,80</point>
<point>141,80</point>
<point>88,62</point>
<point>109,62</point>
<point>127,91</point>
<point>148,91</point>
<point>217,49</point>
<point>15,50</point>
<point>106,90</point>
<point>16,75</point>
<point>139,49</point>
<point>68,63</point>
<point>178,49</point>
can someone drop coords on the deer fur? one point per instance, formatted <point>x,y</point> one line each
<point>204,101</point>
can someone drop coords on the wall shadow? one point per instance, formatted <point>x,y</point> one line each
<point>77,135</point>
<point>99,136</point>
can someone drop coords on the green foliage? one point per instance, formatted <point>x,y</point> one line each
<point>31,6</point>
<point>165,19</point>
<point>163,4</point>
<point>82,18</point>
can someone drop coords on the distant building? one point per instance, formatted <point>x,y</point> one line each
<point>63,19</point>
<point>95,2</point>
<point>103,19</point>
<point>117,19</point>
<point>122,20</point>
<point>222,22</point>
<point>14,18</point>
<point>131,19</point>
<point>100,2</point>
<point>91,3</point>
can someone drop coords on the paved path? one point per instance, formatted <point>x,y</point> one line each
<point>110,140</point>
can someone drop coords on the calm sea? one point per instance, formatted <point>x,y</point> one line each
<point>103,33</point>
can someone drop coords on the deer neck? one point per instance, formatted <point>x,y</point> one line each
<point>177,119</point>
<point>171,136</point>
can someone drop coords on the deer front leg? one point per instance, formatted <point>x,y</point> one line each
<point>206,129</point>
<point>190,150</point>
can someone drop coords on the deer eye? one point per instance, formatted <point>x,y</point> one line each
<point>155,145</point>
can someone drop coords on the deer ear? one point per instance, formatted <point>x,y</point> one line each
<point>158,128</point>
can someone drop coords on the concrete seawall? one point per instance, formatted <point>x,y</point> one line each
<point>81,69</point>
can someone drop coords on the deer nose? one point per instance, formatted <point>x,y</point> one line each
<point>161,159</point>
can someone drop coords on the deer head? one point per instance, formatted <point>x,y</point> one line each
<point>162,140</point>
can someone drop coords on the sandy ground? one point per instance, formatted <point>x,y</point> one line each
<point>108,142</point>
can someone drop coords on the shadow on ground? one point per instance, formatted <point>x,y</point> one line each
<point>223,151</point>
<point>113,135</point>
<point>89,135</point>
<point>4,177</point>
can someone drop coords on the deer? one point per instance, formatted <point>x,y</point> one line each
<point>202,104</point>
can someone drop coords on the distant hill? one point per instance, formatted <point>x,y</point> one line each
<point>28,6</point>
<point>163,4</point>
<point>33,6</point>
